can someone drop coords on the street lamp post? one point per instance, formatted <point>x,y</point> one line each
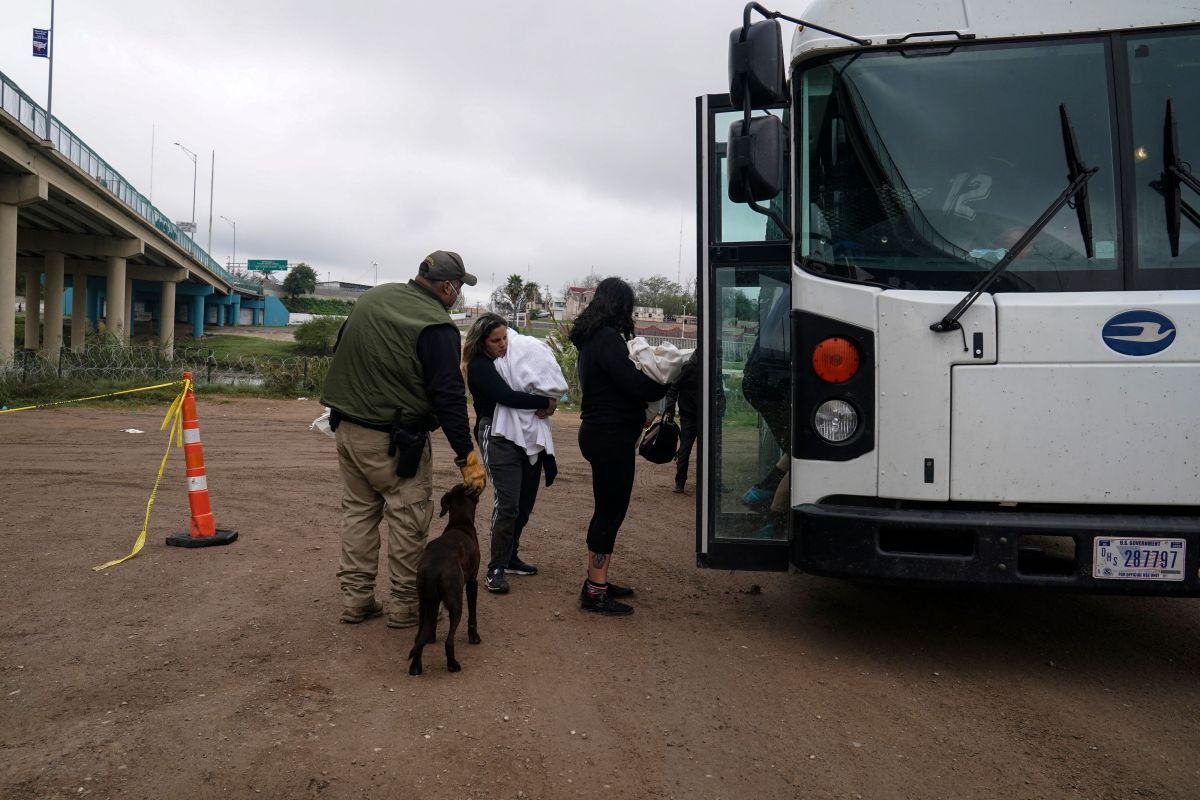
<point>192,156</point>
<point>375,264</point>
<point>212,174</point>
<point>234,224</point>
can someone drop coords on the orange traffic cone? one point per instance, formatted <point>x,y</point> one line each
<point>203,531</point>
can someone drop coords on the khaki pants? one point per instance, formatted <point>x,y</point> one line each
<point>373,492</point>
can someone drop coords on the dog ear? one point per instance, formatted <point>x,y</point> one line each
<point>445,504</point>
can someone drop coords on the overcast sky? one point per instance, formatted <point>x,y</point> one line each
<point>548,139</point>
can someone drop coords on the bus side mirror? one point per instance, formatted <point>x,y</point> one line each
<point>756,65</point>
<point>755,160</point>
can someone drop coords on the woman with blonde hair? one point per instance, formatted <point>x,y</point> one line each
<point>513,477</point>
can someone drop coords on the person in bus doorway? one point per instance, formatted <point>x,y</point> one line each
<point>767,387</point>
<point>615,394</point>
<point>685,394</point>
<point>394,379</point>
<point>513,476</point>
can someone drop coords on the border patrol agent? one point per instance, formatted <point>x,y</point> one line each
<point>394,379</point>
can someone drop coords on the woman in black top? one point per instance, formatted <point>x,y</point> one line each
<point>514,479</point>
<point>615,393</point>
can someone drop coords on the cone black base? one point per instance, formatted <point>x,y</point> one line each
<point>185,540</point>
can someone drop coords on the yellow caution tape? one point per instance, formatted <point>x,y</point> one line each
<point>93,397</point>
<point>174,419</point>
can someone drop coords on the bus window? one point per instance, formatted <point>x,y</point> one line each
<point>752,433</point>
<point>738,222</point>
<point>1165,67</point>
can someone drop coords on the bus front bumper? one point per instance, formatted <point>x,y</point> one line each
<point>989,547</point>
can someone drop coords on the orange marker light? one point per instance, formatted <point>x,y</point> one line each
<point>835,360</point>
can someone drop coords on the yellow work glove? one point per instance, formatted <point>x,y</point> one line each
<point>474,476</point>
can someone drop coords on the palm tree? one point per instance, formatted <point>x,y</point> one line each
<point>514,293</point>
<point>533,296</point>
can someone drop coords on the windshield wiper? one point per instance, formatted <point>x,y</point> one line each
<point>1078,174</point>
<point>1176,171</point>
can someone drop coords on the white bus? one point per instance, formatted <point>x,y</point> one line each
<point>949,258</point>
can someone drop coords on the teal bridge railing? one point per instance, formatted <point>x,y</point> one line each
<point>30,115</point>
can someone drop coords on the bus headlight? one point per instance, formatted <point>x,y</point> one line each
<point>835,420</point>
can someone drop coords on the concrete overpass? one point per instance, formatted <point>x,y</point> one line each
<point>69,219</point>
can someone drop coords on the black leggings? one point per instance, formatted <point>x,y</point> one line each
<point>610,450</point>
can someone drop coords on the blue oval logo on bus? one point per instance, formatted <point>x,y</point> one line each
<point>1138,333</point>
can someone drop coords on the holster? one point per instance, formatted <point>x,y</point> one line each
<point>407,446</point>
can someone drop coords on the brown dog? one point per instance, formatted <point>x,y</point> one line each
<point>449,565</point>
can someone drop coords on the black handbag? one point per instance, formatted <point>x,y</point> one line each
<point>660,442</point>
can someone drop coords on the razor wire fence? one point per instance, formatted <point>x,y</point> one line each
<point>34,372</point>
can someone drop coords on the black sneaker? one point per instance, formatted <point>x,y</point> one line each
<point>518,567</point>
<point>614,590</point>
<point>495,581</point>
<point>603,604</point>
<point>679,487</point>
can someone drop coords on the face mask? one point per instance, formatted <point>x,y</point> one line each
<point>456,294</point>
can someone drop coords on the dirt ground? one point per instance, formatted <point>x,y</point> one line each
<point>223,672</point>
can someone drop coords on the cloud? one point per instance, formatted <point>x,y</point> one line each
<point>542,137</point>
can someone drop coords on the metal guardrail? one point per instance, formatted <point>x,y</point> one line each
<point>31,116</point>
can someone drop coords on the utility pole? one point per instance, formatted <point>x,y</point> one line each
<point>211,177</point>
<point>50,86</point>
<point>679,261</point>
<point>152,164</point>
<point>192,156</point>
<point>234,224</point>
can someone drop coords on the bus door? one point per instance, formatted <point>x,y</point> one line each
<point>744,280</point>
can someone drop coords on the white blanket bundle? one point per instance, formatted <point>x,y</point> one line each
<point>660,363</point>
<point>529,366</point>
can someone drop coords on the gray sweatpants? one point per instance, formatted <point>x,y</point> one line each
<point>514,488</point>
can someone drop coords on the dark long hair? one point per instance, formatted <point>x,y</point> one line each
<point>612,306</point>
<point>473,344</point>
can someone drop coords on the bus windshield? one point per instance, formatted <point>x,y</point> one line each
<point>920,169</point>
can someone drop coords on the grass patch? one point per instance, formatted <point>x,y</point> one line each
<point>225,346</point>
<point>44,394</point>
<point>41,393</point>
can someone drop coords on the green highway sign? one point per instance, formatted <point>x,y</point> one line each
<point>267,264</point>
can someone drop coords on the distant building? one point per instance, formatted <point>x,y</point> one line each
<point>342,290</point>
<point>648,314</point>
<point>577,300</point>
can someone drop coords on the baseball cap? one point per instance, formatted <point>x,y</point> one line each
<point>445,265</point>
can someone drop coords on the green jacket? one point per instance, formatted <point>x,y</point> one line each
<point>375,368</point>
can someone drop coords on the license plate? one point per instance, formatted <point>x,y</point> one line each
<point>1139,559</point>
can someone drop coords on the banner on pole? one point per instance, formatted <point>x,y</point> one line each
<point>41,43</point>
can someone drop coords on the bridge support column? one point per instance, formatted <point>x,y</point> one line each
<point>115,315</point>
<point>33,309</point>
<point>8,280</point>
<point>166,318</point>
<point>198,316</point>
<point>95,304</point>
<point>128,307</point>
<point>79,291</point>
<point>52,331</point>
